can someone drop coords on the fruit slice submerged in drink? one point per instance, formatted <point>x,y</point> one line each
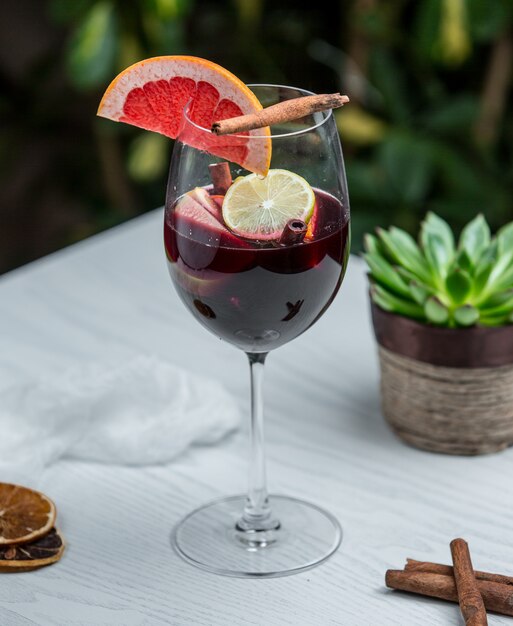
<point>153,93</point>
<point>210,203</point>
<point>198,233</point>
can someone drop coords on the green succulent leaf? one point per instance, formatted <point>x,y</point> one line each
<point>475,237</point>
<point>403,250</point>
<point>436,254</point>
<point>458,285</point>
<point>505,240</point>
<point>384,273</point>
<point>435,311</point>
<point>496,299</point>
<point>435,225</point>
<point>466,315</point>
<point>371,244</point>
<point>405,274</point>
<point>481,281</point>
<point>498,320</point>
<point>488,256</point>
<point>502,281</point>
<point>503,308</point>
<point>419,292</point>
<point>464,262</point>
<point>394,304</point>
<point>500,269</point>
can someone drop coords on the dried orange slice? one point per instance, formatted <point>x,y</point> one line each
<point>43,551</point>
<point>152,94</point>
<point>25,514</point>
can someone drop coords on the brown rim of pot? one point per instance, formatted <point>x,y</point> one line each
<point>478,346</point>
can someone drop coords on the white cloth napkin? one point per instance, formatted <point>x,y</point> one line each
<point>141,411</point>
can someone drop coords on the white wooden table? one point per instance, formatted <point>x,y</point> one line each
<point>326,442</point>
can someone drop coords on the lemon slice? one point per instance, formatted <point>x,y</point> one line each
<point>259,208</point>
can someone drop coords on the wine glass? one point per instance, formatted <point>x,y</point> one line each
<point>258,296</point>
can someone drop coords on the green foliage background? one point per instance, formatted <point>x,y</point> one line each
<point>429,127</point>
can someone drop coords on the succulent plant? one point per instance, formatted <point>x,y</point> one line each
<point>440,282</point>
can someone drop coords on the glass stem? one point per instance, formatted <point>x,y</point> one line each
<point>257,514</point>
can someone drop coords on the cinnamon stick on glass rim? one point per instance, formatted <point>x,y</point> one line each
<point>285,111</point>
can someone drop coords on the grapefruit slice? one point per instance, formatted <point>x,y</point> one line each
<point>152,95</point>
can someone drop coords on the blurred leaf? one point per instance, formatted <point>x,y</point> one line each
<point>389,80</point>
<point>486,20</point>
<point>64,10</point>
<point>250,11</point>
<point>453,116</point>
<point>427,23</point>
<point>163,34</point>
<point>167,9</point>
<point>147,158</point>
<point>466,315</point>
<point>93,47</point>
<point>366,185</point>
<point>359,127</point>
<point>130,51</point>
<point>454,44</point>
<point>459,285</point>
<point>465,185</point>
<point>475,237</point>
<point>435,311</point>
<point>408,165</point>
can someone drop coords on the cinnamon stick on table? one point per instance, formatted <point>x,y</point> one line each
<point>447,570</point>
<point>497,597</point>
<point>470,600</point>
<point>285,111</point>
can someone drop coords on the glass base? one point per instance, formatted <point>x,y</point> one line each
<point>211,538</point>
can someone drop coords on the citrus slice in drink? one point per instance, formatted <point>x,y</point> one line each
<point>25,514</point>
<point>259,208</point>
<point>153,93</point>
